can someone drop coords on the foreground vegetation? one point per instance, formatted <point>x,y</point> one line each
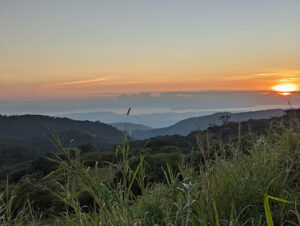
<point>253,180</point>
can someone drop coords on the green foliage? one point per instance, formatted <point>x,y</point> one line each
<point>216,184</point>
<point>14,212</point>
<point>268,209</point>
<point>154,214</point>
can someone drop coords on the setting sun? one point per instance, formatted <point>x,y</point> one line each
<point>285,89</point>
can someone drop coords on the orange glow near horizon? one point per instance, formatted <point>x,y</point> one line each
<point>110,48</point>
<point>77,86</point>
<point>285,89</point>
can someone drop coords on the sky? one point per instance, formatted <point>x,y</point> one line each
<point>63,49</point>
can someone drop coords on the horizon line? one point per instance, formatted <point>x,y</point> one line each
<point>115,95</point>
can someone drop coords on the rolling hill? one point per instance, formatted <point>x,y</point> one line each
<point>226,132</point>
<point>36,130</point>
<point>131,127</point>
<point>186,126</point>
<point>153,120</point>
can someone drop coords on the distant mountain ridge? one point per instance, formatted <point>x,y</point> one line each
<point>37,129</point>
<point>131,127</point>
<point>27,137</point>
<point>226,132</point>
<point>186,126</point>
<point>153,120</point>
<point>27,146</point>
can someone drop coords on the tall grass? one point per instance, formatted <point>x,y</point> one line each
<point>226,186</point>
<point>12,212</point>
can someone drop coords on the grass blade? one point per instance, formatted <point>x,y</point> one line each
<point>216,214</point>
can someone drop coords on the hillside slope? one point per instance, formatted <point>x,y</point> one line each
<point>131,127</point>
<point>186,126</point>
<point>226,132</point>
<point>36,130</point>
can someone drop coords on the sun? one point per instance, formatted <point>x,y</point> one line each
<point>285,89</point>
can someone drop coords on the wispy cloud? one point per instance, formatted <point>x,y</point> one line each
<point>269,75</point>
<point>88,81</point>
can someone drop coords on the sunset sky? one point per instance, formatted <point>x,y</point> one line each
<point>63,49</point>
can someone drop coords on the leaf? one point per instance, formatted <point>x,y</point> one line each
<point>136,171</point>
<point>268,210</point>
<point>216,213</point>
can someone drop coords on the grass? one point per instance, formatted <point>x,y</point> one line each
<point>258,187</point>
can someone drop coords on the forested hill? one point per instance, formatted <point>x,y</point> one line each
<point>186,126</point>
<point>28,137</point>
<point>227,132</point>
<point>37,126</point>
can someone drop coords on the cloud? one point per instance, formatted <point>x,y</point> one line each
<point>88,81</point>
<point>265,76</point>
